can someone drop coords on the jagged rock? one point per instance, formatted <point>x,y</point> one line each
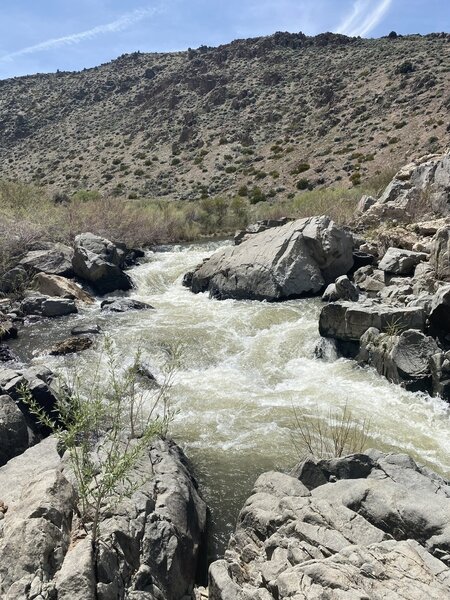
<point>439,316</point>
<point>38,381</point>
<point>440,254</point>
<point>56,259</point>
<point>365,203</point>
<point>56,286</point>
<point>279,263</point>
<point>71,345</point>
<point>370,280</point>
<point>342,289</point>
<point>440,371</point>
<point>380,530</point>
<point>418,188</point>
<point>258,227</point>
<point>326,349</point>
<point>120,305</point>
<point>13,430</point>
<point>99,262</point>
<point>398,294</point>
<point>424,280</point>
<point>13,280</point>
<point>404,358</point>
<point>401,262</point>
<point>348,321</point>
<point>46,306</point>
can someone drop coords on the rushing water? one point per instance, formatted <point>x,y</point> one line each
<point>244,366</point>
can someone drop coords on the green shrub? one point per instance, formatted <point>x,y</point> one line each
<point>302,184</point>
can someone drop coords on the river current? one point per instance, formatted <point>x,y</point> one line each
<point>243,367</point>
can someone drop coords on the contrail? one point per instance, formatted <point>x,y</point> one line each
<point>119,24</point>
<point>360,22</point>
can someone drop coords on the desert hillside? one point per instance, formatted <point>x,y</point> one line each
<point>263,117</point>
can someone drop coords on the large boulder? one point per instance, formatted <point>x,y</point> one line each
<point>55,259</point>
<point>46,306</point>
<point>369,526</point>
<point>99,262</point>
<point>149,545</point>
<point>401,262</point>
<point>404,358</point>
<point>298,258</point>
<point>348,321</point>
<point>56,286</point>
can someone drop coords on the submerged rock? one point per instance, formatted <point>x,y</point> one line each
<point>120,305</point>
<point>47,306</point>
<point>283,262</point>
<point>380,531</point>
<point>100,262</point>
<point>71,345</point>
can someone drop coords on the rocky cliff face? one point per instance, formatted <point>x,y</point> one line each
<point>280,113</point>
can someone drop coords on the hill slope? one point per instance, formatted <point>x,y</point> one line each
<point>279,113</point>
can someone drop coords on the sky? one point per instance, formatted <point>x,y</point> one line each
<point>40,36</point>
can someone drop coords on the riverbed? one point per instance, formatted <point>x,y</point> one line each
<point>243,369</point>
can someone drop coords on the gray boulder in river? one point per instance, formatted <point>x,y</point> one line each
<point>100,263</point>
<point>300,257</point>
<point>382,530</point>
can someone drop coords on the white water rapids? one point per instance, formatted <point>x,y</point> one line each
<point>243,368</point>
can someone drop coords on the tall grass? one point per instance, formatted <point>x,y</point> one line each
<point>29,215</point>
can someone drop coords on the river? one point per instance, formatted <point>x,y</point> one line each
<point>243,367</point>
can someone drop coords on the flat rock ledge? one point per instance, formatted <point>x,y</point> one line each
<point>370,526</point>
<point>149,546</point>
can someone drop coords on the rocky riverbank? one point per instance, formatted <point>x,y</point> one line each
<point>365,526</point>
<point>387,290</point>
<point>371,525</point>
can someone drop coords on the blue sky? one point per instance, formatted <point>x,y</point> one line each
<point>46,35</point>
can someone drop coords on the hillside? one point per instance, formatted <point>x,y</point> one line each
<point>276,114</point>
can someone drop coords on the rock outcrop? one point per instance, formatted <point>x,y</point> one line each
<point>149,545</point>
<point>100,263</point>
<point>403,358</point>
<point>56,286</point>
<point>382,530</point>
<point>55,259</point>
<point>419,189</point>
<point>298,258</point>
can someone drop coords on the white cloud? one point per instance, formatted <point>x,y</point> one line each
<point>119,24</point>
<point>364,17</point>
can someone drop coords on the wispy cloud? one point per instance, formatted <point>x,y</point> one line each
<point>364,17</point>
<point>123,22</point>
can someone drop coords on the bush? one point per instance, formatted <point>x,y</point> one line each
<point>302,184</point>
<point>105,427</point>
<point>300,168</point>
<point>338,434</point>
